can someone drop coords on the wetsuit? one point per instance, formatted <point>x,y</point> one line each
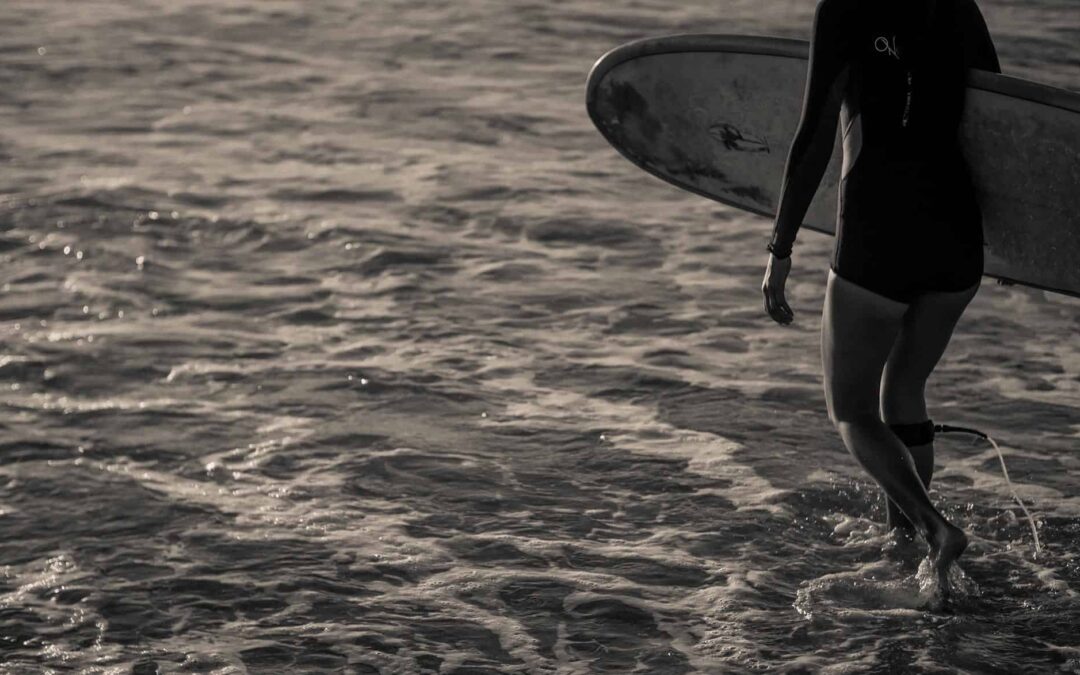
<point>907,220</point>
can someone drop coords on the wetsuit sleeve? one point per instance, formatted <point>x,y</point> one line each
<point>978,47</point>
<point>813,143</point>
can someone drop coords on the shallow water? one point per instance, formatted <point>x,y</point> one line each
<point>335,339</point>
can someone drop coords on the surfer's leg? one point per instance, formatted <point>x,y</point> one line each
<point>925,332</point>
<point>919,439</point>
<point>859,328</point>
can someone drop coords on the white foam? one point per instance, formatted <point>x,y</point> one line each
<point>637,429</point>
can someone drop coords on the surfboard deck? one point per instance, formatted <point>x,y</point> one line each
<point>716,114</point>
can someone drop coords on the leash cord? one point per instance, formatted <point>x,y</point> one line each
<point>949,429</point>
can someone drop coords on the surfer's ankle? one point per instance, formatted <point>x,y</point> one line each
<point>946,545</point>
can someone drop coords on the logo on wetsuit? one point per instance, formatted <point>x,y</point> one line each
<point>883,46</point>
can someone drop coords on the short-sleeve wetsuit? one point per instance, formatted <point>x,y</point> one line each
<point>907,221</point>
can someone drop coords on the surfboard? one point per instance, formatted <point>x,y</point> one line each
<point>715,115</point>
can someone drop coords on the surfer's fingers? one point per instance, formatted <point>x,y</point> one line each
<point>783,312</point>
<point>767,299</point>
<point>784,315</point>
<point>787,311</point>
<point>776,306</point>
<point>771,306</point>
<point>782,304</point>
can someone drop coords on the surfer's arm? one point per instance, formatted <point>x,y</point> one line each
<point>979,46</point>
<point>813,143</point>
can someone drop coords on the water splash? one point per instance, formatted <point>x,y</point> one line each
<point>959,587</point>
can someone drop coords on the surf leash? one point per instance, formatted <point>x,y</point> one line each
<point>949,429</point>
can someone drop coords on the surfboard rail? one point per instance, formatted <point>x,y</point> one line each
<point>763,45</point>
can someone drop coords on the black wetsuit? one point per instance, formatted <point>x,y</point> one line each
<point>908,221</point>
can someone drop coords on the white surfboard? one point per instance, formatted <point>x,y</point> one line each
<point>715,115</point>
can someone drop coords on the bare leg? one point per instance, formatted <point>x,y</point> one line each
<point>925,332</point>
<point>886,459</point>
<point>923,456</point>
<point>859,328</point>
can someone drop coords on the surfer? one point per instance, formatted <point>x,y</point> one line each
<point>908,255</point>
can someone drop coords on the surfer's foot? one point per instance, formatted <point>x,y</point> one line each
<point>946,545</point>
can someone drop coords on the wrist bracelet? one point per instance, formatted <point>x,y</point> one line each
<point>771,249</point>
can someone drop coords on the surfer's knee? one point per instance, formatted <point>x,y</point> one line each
<point>851,400</point>
<point>902,398</point>
<point>853,414</point>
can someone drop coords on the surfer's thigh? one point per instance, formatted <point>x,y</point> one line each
<point>925,332</point>
<point>858,328</point>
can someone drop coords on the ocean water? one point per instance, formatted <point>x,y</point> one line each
<point>336,340</point>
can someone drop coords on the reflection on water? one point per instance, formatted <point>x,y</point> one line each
<point>337,340</point>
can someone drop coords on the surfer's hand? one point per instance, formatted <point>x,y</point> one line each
<point>773,289</point>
